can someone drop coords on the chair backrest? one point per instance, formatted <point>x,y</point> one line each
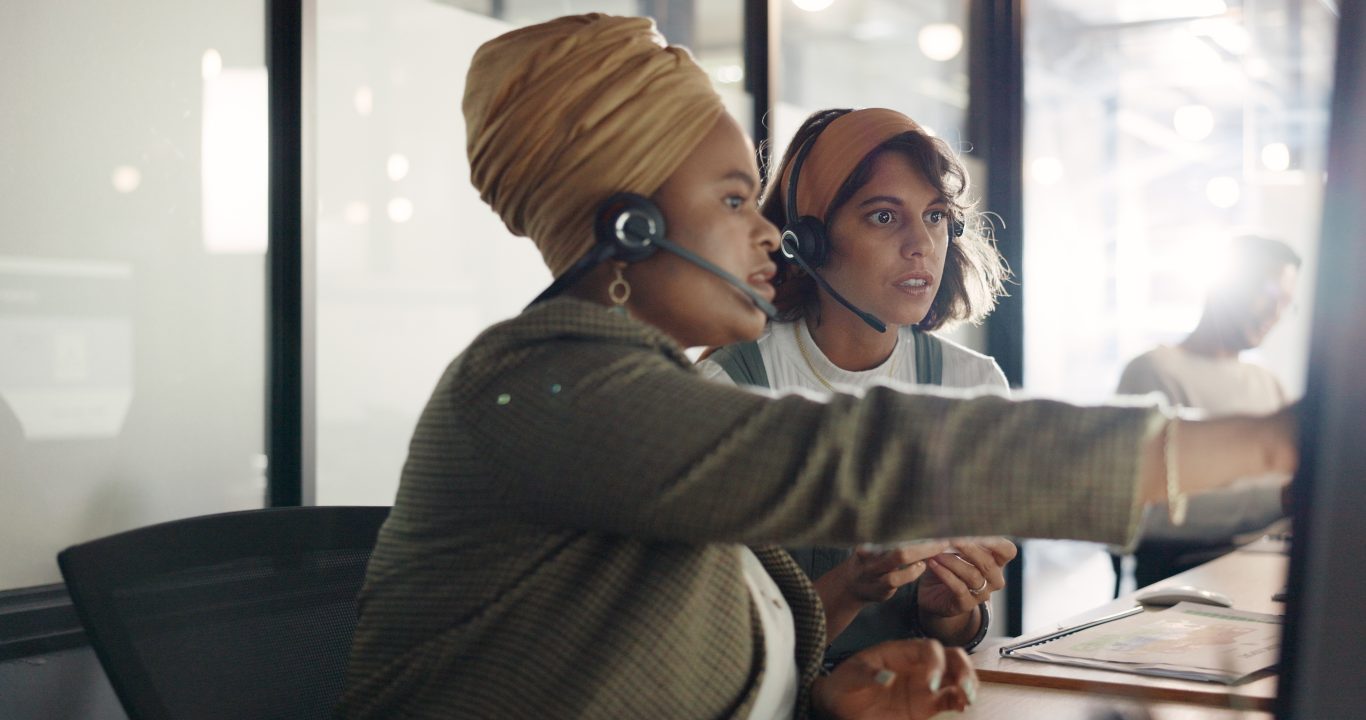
<point>239,615</point>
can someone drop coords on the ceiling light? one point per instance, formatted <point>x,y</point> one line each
<point>126,178</point>
<point>729,74</point>
<point>1276,156</point>
<point>940,41</point>
<point>1193,122</point>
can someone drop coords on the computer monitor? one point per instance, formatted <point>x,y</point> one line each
<point>1324,648</point>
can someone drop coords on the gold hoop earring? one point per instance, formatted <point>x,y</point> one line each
<point>619,291</point>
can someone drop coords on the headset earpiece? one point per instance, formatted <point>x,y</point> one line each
<point>631,224</point>
<point>806,237</point>
<point>629,228</point>
<point>956,229</point>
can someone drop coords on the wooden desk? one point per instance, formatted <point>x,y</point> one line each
<point>1017,702</point>
<point>1033,689</point>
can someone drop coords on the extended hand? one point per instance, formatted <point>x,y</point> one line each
<point>899,679</point>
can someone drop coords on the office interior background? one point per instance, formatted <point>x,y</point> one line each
<point>141,343</point>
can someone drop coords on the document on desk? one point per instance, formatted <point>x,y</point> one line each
<point>1187,641</point>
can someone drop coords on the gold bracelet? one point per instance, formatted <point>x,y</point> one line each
<point>1176,500</point>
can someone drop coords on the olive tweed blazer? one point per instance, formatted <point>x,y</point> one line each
<point>564,541</point>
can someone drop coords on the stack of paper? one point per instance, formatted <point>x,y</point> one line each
<point>1189,641</point>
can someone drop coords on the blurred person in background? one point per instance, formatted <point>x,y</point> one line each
<point>1206,373</point>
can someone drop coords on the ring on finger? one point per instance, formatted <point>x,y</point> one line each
<point>978,590</point>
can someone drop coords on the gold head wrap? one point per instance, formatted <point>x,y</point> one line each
<point>563,114</point>
<point>839,148</point>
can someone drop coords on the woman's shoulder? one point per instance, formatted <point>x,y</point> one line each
<point>953,349</point>
<point>954,352</point>
<point>566,334</point>
<point>965,367</point>
<point>713,365</point>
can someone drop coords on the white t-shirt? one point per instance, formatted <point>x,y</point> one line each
<point>777,693</point>
<point>787,368</point>
<point>1218,387</point>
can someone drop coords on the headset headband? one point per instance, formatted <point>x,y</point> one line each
<point>835,151</point>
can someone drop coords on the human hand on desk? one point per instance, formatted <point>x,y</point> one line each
<point>898,679</point>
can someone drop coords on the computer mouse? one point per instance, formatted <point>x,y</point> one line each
<point>1173,594</point>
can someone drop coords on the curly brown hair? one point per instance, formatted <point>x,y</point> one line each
<point>974,272</point>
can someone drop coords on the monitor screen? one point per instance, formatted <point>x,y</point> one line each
<point>1324,648</point>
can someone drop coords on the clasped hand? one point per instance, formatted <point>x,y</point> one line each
<point>961,574</point>
<point>958,581</point>
<point>874,575</point>
<point>898,679</point>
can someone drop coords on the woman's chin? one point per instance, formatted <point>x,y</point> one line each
<point>913,315</point>
<point>751,327</point>
<point>737,329</point>
<point>747,327</point>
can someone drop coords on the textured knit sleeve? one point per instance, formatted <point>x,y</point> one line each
<point>593,436</point>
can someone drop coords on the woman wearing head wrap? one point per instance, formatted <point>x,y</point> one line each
<point>891,231</point>
<point>585,527</point>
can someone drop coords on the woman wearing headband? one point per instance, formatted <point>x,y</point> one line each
<point>585,527</point>
<point>889,253</point>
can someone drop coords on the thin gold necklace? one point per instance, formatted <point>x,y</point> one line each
<point>801,346</point>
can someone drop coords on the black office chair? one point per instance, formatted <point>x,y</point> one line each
<point>239,615</point>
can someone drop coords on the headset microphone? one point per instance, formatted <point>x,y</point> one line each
<point>863,315</point>
<point>630,227</point>
<point>764,306</point>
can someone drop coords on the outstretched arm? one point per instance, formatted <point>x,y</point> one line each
<point>1209,454</point>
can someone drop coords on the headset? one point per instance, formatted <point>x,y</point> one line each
<point>630,228</point>
<point>804,239</point>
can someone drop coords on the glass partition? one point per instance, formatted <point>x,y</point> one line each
<point>1155,133</point>
<point>410,263</point>
<point>132,277</point>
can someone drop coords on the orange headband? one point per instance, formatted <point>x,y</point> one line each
<point>839,148</point>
